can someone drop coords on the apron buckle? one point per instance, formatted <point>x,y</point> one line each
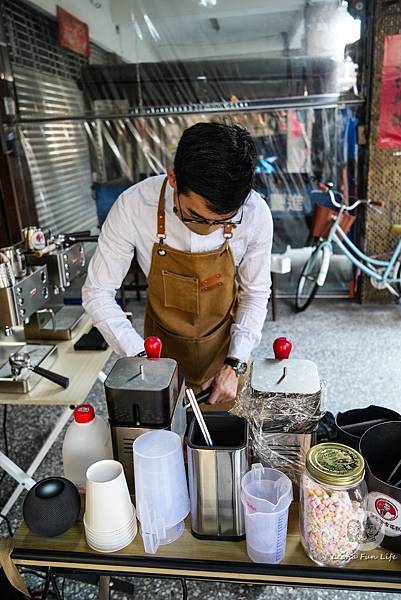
<point>228,231</point>
<point>161,251</point>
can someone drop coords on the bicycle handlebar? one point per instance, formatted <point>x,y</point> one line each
<point>329,188</point>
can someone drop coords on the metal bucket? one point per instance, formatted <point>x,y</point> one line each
<point>380,447</point>
<point>215,474</point>
<point>352,424</point>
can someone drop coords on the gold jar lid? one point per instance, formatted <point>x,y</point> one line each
<point>335,464</point>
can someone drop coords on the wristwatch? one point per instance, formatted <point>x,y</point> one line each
<point>238,366</point>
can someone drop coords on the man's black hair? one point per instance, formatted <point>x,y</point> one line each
<point>217,162</point>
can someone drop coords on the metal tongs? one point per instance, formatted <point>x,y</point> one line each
<point>22,360</point>
<point>198,415</point>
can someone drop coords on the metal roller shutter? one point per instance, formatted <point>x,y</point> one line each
<point>57,153</point>
<point>45,81</point>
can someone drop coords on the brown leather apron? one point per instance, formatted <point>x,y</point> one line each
<point>191,303</point>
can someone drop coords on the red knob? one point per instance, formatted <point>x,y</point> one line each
<point>153,346</point>
<point>282,347</point>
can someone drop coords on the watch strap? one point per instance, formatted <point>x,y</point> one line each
<point>232,362</point>
<point>237,365</point>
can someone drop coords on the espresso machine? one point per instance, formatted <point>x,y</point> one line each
<point>145,393</point>
<point>23,291</point>
<point>64,257</point>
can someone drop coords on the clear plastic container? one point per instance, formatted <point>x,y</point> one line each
<point>87,440</point>
<point>333,499</point>
<point>161,490</point>
<point>266,496</point>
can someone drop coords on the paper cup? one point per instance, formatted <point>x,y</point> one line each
<point>108,505</point>
<point>112,546</point>
<point>128,534</point>
<point>106,534</point>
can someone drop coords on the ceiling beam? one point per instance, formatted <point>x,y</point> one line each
<point>122,11</point>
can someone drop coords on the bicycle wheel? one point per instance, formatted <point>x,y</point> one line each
<point>307,286</point>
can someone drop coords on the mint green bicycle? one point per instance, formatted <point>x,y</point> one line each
<point>383,274</point>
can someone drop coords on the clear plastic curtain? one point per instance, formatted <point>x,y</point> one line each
<point>204,51</point>
<point>282,69</point>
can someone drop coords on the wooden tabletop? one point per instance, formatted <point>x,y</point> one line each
<point>82,367</point>
<point>213,560</point>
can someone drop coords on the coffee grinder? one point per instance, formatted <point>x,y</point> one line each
<point>23,291</point>
<point>64,257</point>
<point>145,393</point>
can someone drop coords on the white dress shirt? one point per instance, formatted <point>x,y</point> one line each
<point>132,225</point>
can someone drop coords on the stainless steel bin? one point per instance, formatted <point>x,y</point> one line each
<point>215,474</point>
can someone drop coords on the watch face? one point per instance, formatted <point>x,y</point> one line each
<point>241,368</point>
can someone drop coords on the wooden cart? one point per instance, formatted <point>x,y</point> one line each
<point>189,558</point>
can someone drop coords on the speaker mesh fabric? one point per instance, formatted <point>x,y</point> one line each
<point>54,515</point>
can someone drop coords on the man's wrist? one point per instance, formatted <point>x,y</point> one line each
<point>238,366</point>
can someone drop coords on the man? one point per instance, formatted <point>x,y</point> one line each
<point>203,239</point>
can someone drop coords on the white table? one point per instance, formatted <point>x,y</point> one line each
<point>82,368</point>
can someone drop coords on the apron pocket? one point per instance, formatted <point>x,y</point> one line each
<point>198,358</point>
<point>181,292</point>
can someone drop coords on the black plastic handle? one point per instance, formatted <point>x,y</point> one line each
<point>80,238</point>
<point>201,397</point>
<point>85,232</point>
<point>51,376</point>
<point>204,395</point>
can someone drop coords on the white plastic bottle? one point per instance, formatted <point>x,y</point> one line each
<point>86,441</point>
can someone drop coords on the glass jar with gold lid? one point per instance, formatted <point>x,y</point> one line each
<point>333,499</point>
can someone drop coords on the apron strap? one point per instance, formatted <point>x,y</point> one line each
<point>161,217</point>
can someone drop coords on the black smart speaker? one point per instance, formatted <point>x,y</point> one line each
<point>52,506</point>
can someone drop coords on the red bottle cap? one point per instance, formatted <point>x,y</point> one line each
<point>84,413</point>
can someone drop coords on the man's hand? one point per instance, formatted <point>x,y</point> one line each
<point>225,385</point>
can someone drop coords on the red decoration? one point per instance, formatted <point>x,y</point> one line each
<point>282,347</point>
<point>153,346</point>
<point>390,98</point>
<point>72,33</point>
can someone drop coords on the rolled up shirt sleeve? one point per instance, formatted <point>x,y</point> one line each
<point>254,286</point>
<point>106,272</point>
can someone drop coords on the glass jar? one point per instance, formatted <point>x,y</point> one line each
<point>333,498</point>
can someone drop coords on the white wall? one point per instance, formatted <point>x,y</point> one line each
<point>102,30</point>
<point>186,32</point>
<point>124,41</point>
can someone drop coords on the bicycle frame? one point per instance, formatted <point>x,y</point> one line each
<point>360,259</point>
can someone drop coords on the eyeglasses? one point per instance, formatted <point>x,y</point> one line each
<point>206,221</point>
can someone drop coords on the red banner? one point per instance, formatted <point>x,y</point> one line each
<point>390,98</point>
<point>72,33</point>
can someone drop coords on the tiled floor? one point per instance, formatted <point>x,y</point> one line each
<point>358,352</point>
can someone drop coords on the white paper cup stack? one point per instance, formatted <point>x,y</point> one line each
<point>109,519</point>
